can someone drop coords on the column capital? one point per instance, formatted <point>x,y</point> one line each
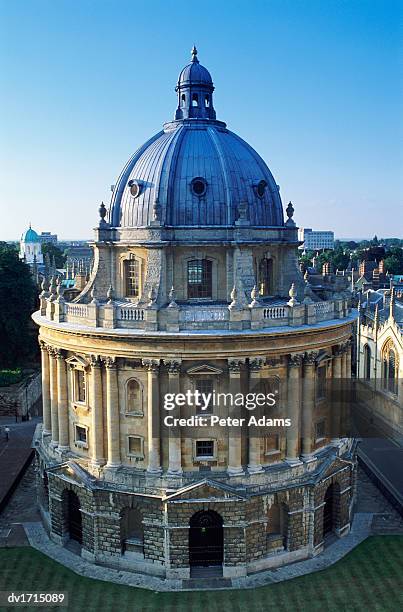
<point>173,365</point>
<point>338,350</point>
<point>109,362</point>
<point>295,360</point>
<point>53,351</point>
<point>42,344</point>
<point>151,365</point>
<point>59,354</point>
<point>310,358</point>
<point>95,361</point>
<point>234,365</point>
<point>256,363</point>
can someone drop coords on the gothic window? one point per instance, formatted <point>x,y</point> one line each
<point>390,367</point>
<point>134,403</point>
<point>265,276</point>
<point>199,278</point>
<point>367,362</point>
<point>80,391</point>
<point>320,430</point>
<point>132,278</point>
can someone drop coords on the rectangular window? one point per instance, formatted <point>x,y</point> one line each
<point>199,278</point>
<point>81,435</point>
<point>320,430</point>
<point>135,446</point>
<point>205,386</point>
<point>321,383</point>
<point>80,387</point>
<point>204,449</point>
<point>132,270</point>
<point>272,444</point>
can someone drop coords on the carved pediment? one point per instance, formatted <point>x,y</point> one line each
<point>207,490</point>
<point>204,369</point>
<point>77,361</point>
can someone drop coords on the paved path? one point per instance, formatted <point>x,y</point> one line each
<point>14,454</point>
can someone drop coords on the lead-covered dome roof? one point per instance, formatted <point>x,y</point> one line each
<point>195,172</point>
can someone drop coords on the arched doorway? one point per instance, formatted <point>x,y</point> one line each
<point>206,539</point>
<point>329,510</point>
<point>74,517</point>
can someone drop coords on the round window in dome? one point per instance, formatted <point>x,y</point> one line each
<point>135,188</point>
<point>261,188</point>
<point>198,186</point>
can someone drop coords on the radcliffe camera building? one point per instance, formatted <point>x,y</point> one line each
<point>195,285</point>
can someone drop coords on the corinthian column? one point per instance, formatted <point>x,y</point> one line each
<point>153,416</point>
<point>293,404</point>
<point>175,458</point>
<point>112,413</point>
<point>308,404</point>
<point>254,465</point>
<point>53,396</point>
<point>47,424</point>
<point>97,454</point>
<point>235,433</point>
<point>63,417</point>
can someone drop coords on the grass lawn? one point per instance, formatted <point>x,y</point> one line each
<point>369,578</point>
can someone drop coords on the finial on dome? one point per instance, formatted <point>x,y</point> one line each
<point>194,54</point>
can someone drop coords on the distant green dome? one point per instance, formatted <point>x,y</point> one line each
<point>30,236</point>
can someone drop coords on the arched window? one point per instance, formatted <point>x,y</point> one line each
<point>265,276</point>
<point>207,101</point>
<point>199,278</point>
<point>131,530</point>
<point>134,397</point>
<point>367,362</point>
<point>390,368</point>
<point>195,100</point>
<point>183,98</point>
<point>132,278</point>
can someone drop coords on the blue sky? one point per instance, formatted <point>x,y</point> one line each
<point>314,85</point>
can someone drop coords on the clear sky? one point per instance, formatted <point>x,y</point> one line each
<point>314,85</point>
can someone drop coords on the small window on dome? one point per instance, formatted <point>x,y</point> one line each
<point>199,186</point>
<point>195,100</point>
<point>183,99</point>
<point>135,188</point>
<point>207,101</point>
<point>261,188</point>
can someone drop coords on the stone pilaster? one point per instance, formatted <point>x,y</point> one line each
<point>97,421</point>
<point>112,413</point>
<point>53,395</point>
<point>308,404</point>
<point>254,465</point>
<point>293,404</point>
<point>153,416</point>
<point>175,458</point>
<point>47,423</point>
<point>234,435</point>
<point>337,373</point>
<point>63,416</point>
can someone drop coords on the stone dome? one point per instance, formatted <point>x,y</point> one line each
<point>195,172</point>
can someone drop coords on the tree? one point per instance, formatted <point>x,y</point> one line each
<point>17,302</point>
<point>54,251</point>
<point>394,261</point>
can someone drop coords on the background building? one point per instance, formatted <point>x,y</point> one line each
<point>47,237</point>
<point>195,285</point>
<point>315,240</point>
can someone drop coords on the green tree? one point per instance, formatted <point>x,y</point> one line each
<point>54,251</point>
<point>17,302</point>
<point>394,261</point>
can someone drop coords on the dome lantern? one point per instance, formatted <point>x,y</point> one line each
<point>195,92</point>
